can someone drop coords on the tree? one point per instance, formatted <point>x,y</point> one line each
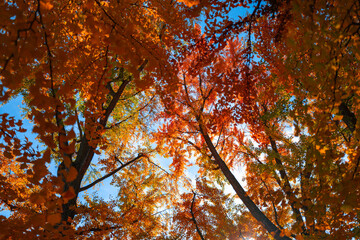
<point>296,148</point>
<point>80,67</point>
<point>314,63</point>
<point>197,118</point>
<point>211,212</point>
<point>99,77</point>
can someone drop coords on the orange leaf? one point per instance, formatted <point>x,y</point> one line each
<point>8,155</point>
<point>68,195</point>
<point>54,218</point>
<point>71,176</point>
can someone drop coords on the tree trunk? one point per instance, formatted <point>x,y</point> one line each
<point>254,210</point>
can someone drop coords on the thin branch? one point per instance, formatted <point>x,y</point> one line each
<point>141,68</point>
<point>193,217</point>
<point>197,148</point>
<point>78,123</point>
<point>111,173</point>
<point>273,204</point>
<point>249,32</point>
<point>250,153</point>
<point>157,166</point>
<point>127,118</point>
<point>118,160</point>
<point>189,142</point>
<point>206,98</point>
<point>6,63</point>
<point>116,98</point>
<point>59,121</point>
<point>286,187</point>
<point>188,100</point>
<point>200,86</point>
<point>106,13</point>
<point>218,141</point>
<point>113,102</point>
<point>11,206</point>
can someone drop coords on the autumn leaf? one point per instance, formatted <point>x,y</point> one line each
<point>68,195</point>
<point>54,219</point>
<point>138,94</point>
<point>71,174</point>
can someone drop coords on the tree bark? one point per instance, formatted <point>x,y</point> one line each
<point>193,217</point>
<point>254,210</point>
<point>348,117</point>
<point>287,187</point>
<point>86,152</point>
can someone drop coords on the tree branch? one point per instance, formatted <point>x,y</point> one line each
<point>254,210</point>
<point>286,187</point>
<point>78,124</point>
<point>113,102</point>
<point>156,165</point>
<point>348,117</point>
<point>127,118</point>
<point>117,95</point>
<point>273,204</point>
<point>193,217</point>
<point>110,174</point>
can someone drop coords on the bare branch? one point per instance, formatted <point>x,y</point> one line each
<point>113,102</point>
<point>193,217</point>
<point>111,173</point>
<point>157,166</point>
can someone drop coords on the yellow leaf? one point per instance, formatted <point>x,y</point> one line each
<point>335,110</point>
<point>323,150</point>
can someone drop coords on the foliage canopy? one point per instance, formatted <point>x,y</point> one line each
<point>111,87</point>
